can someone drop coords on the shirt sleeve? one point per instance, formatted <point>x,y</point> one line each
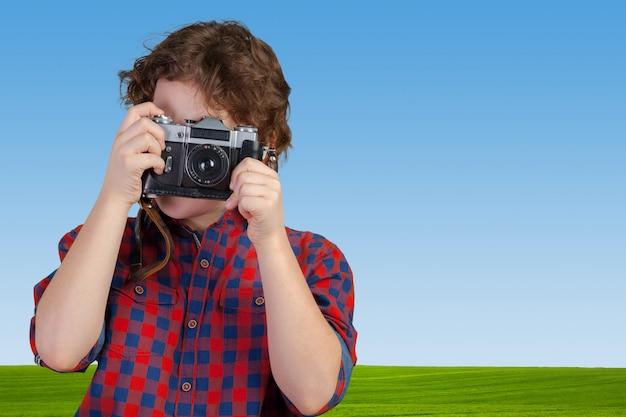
<point>330,279</point>
<point>64,245</point>
<point>331,282</point>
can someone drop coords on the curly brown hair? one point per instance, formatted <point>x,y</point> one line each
<point>237,72</point>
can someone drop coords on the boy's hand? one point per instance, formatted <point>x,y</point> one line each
<point>258,195</point>
<point>137,146</point>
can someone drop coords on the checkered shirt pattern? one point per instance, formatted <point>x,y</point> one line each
<point>191,340</point>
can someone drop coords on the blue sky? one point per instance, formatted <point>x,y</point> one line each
<point>467,156</point>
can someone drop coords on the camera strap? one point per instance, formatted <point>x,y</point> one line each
<point>139,271</point>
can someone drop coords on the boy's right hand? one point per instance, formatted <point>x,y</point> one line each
<point>137,146</point>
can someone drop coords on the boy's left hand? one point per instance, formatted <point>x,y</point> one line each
<point>258,195</point>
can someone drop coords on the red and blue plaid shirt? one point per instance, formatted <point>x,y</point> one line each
<point>192,340</point>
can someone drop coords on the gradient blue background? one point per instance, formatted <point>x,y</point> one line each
<point>467,156</point>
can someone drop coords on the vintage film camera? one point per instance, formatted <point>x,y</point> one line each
<point>200,157</point>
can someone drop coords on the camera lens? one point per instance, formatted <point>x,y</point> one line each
<point>207,165</point>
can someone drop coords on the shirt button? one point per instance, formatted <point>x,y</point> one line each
<point>139,289</point>
<point>259,301</point>
<point>186,386</point>
<point>192,324</point>
<point>204,263</point>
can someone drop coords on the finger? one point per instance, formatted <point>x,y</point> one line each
<point>253,165</point>
<point>232,201</point>
<point>142,143</point>
<point>257,190</point>
<point>149,161</point>
<point>143,110</point>
<point>150,133</point>
<point>251,197</point>
<point>256,206</point>
<point>256,173</point>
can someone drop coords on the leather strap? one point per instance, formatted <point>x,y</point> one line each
<point>139,271</point>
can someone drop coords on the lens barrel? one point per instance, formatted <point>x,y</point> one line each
<point>207,165</point>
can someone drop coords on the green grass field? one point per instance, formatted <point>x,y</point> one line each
<point>379,391</point>
<point>484,391</point>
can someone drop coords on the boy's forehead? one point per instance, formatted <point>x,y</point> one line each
<point>181,100</point>
<point>184,100</point>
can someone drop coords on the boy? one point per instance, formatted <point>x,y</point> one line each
<point>244,317</point>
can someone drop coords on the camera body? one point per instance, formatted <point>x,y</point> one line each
<point>200,157</point>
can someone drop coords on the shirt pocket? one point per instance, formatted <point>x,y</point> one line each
<point>244,329</point>
<point>242,300</point>
<point>143,319</point>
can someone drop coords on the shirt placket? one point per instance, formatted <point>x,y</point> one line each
<point>197,296</point>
